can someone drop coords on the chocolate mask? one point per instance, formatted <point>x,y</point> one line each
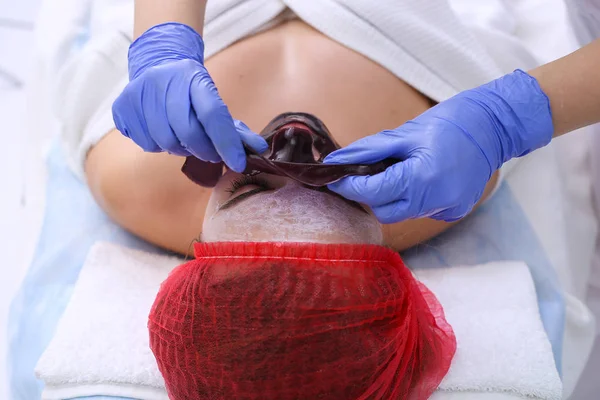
<point>298,143</point>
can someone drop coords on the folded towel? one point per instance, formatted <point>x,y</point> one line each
<point>101,343</point>
<point>501,343</point>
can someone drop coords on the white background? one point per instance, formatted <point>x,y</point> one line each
<point>19,212</point>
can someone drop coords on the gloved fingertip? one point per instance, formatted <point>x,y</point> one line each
<point>238,163</point>
<point>348,188</point>
<point>344,156</point>
<point>179,153</point>
<point>339,186</point>
<point>205,155</point>
<point>334,158</point>
<point>240,126</point>
<point>239,168</point>
<point>334,188</point>
<point>256,142</point>
<point>261,149</point>
<point>252,139</point>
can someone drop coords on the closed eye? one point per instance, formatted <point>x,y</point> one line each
<point>243,188</point>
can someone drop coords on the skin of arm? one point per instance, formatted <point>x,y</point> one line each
<point>572,84</point>
<point>149,13</point>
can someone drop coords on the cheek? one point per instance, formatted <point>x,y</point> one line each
<point>211,207</point>
<point>219,194</point>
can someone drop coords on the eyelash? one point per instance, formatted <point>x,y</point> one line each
<point>245,181</point>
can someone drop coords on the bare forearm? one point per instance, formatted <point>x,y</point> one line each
<point>573,85</point>
<point>153,12</point>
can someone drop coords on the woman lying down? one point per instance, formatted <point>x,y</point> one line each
<point>292,285</point>
<point>294,292</point>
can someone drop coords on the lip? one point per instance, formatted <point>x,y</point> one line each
<point>303,121</point>
<point>302,124</point>
<point>296,124</point>
<point>302,118</point>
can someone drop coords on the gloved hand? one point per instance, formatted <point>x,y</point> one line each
<point>171,103</point>
<point>449,152</point>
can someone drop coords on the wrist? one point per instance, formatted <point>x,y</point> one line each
<point>170,41</point>
<point>521,111</point>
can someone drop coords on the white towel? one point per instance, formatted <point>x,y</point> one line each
<point>101,343</point>
<point>501,344</point>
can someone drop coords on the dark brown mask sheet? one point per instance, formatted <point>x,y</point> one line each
<point>298,144</point>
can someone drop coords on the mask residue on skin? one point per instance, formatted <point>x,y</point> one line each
<point>293,214</point>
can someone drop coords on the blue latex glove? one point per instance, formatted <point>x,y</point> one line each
<point>449,152</point>
<point>171,103</point>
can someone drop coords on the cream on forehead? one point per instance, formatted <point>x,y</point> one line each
<point>292,214</point>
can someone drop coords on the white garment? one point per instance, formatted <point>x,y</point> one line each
<point>585,20</point>
<point>585,15</point>
<point>101,343</point>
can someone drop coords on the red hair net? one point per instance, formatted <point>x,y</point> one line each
<point>283,321</point>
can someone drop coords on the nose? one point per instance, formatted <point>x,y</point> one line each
<point>294,144</point>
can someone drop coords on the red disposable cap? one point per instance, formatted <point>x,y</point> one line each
<point>283,321</point>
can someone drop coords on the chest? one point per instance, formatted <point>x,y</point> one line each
<point>293,67</point>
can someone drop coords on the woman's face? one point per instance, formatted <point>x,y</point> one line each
<point>268,208</point>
